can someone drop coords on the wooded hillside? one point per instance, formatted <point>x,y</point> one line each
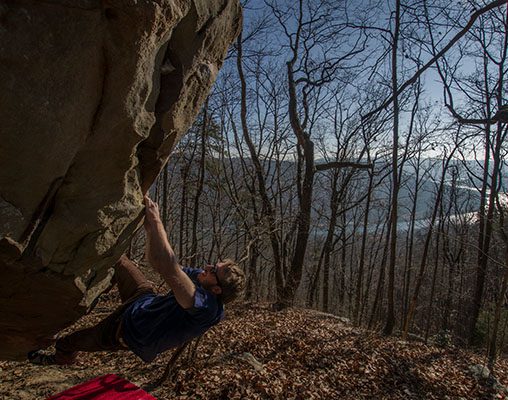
<point>256,353</point>
<point>352,157</point>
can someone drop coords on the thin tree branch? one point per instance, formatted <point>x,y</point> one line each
<point>459,35</point>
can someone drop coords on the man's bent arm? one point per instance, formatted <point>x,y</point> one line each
<point>161,256</point>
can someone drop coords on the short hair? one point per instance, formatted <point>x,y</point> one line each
<point>233,284</point>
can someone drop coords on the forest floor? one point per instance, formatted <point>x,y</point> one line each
<point>257,353</point>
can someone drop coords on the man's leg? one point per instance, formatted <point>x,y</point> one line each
<point>131,282</point>
<point>101,337</point>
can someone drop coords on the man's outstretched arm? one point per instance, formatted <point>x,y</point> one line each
<point>161,256</point>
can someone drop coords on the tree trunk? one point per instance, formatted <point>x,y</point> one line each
<point>294,276</point>
<point>483,257</point>
<point>426,246</point>
<point>199,188</point>
<point>390,316</point>
<point>359,279</point>
<point>409,255</point>
<point>380,283</point>
<point>430,308</point>
<point>497,316</point>
<point>268,212</point>
<point>328,245</point>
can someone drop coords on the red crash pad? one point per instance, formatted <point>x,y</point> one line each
<point>107,387</point>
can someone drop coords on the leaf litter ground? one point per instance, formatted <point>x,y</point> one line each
<point>292,354</point>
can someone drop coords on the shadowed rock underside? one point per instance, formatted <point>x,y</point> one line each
<point>93,97</point>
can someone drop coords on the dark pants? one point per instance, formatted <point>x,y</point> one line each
<point>104,336</point>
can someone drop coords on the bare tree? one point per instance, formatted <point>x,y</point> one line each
<point>484,91</point>
<point>314,60</point>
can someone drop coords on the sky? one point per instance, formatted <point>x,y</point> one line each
<point>256,11</point>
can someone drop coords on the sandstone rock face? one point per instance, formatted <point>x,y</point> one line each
<point>93,97</point>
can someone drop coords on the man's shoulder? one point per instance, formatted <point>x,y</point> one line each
<point>192,272</point>
<point>205,298</point>
<point>206,305</point>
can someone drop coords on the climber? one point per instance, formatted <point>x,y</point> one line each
<point>147,323</point>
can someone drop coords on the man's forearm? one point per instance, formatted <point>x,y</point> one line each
<point>159,253</point>
<point>161,256</point>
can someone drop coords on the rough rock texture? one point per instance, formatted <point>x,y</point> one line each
<point>93,97</point>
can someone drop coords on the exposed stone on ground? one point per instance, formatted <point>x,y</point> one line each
<point>93,97</point>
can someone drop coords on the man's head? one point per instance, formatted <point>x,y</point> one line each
<point>225,280</point>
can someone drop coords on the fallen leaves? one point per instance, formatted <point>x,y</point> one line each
<point>256,353</point>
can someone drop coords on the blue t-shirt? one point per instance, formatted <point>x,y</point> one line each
<point>153,324</point>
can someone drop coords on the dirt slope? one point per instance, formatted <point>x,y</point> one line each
<point>293,354</point>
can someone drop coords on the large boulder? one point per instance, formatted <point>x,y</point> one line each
<point>93,97</point>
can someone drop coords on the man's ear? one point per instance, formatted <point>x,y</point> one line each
<point>216,290</point>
